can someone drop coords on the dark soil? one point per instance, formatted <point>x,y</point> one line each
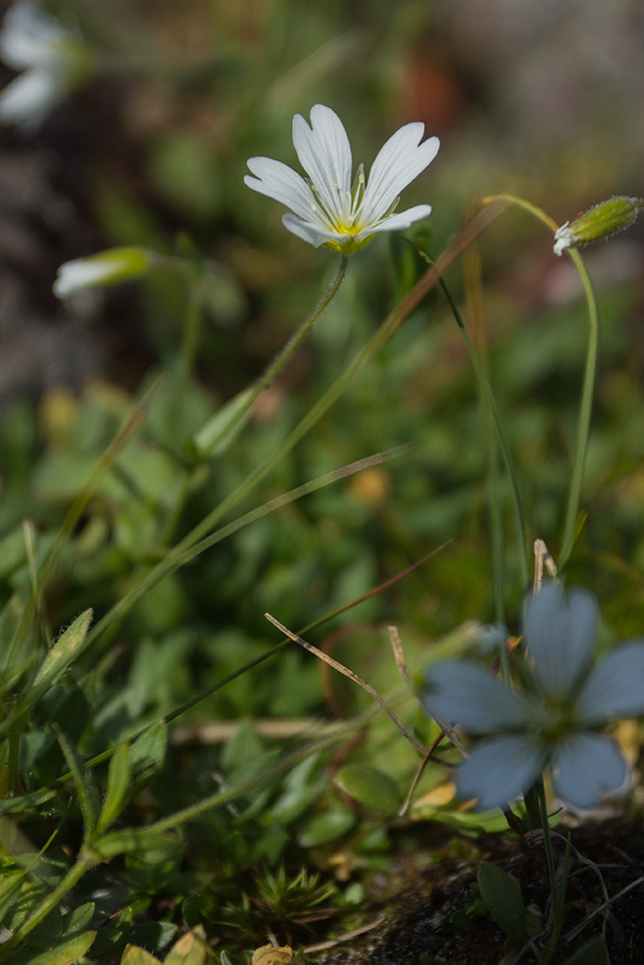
<point>422,891</point>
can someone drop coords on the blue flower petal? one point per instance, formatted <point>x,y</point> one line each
<point>560,634</point>
<point>616,688</point>
<point>587,766</point>
<point>462,692</point>
<point>500,770</point>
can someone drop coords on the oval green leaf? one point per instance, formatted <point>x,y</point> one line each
<point>502,895</point>
<point>370,787</point>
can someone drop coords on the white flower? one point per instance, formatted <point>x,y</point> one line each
<point>107,268</point>
<point>555,721</point>
<point>327,209</point>
<point>50,57</point>
<point>563,239</point>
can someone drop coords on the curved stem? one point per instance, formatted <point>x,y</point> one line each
<point>585,411</point>
<point>588,387</point>
<point>492,411</point>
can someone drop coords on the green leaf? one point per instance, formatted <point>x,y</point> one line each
<point>191,949</point>
<point>326,826</point>
<point>371,787</point>
<point>118,779</point>
<point>502,895</point>
<point>88,798</point>
<point>147,752</point>
<point>593,952</point>
<point>77,919</point>
<point>135,841</point>
<point>223,427</point>
<point>66,953</point>
<point>27,802</point>
<point>62,654</point>
<point>133,955</point>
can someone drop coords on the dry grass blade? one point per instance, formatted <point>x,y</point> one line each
<point>352,676</point>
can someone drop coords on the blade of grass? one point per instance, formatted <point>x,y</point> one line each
<point>181,552</point>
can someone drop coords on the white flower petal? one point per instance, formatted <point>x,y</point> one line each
<point>29,36</point>
<point>499,770</point>
<point>615,688</point>
<point>311,233</point>
<point>561,634</point>
<point>462,692</point>
<point>280,182</point>
<point>325,154</point>
<point>30,97</point>
<point>402,220</point>
<point>397,164</point>
<point>586,767</point>
<point>106,268</point>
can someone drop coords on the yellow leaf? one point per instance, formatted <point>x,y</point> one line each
<point>191,949</point>
<point>269,955</point>
<point>133,955</point>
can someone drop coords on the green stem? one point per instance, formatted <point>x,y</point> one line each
<point>488,398</point>
<point>187,352</point>
<point>85,861</point>
<point>489,406</point>
<point>585,412</point>
<point>560,908</point>
<point>282,357</point>
<point>533,807</point>
<point>586,403</point>
<point>550,858</point>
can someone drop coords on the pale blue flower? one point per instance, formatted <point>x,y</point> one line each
<point>51,59</point>
<point>554,722</point>
<point>327,209</point>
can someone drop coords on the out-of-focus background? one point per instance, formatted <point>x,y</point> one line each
<point>537,98</point>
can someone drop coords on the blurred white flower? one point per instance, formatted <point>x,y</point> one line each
<point>107,268</point>
<point>552,723</point>
<point>327,209</point>
<point>52,61</point>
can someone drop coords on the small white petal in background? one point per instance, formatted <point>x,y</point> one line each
<point>327,208</point>
<point>107,268</point>
<point>52,60</point>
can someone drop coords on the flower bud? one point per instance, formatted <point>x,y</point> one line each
<point>107,268</point>
<point>601,221</point>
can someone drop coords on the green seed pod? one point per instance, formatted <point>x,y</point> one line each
<point>601,221</point>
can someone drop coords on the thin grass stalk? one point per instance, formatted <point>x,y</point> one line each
<point>588,387</point>
<point>480,221</point>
